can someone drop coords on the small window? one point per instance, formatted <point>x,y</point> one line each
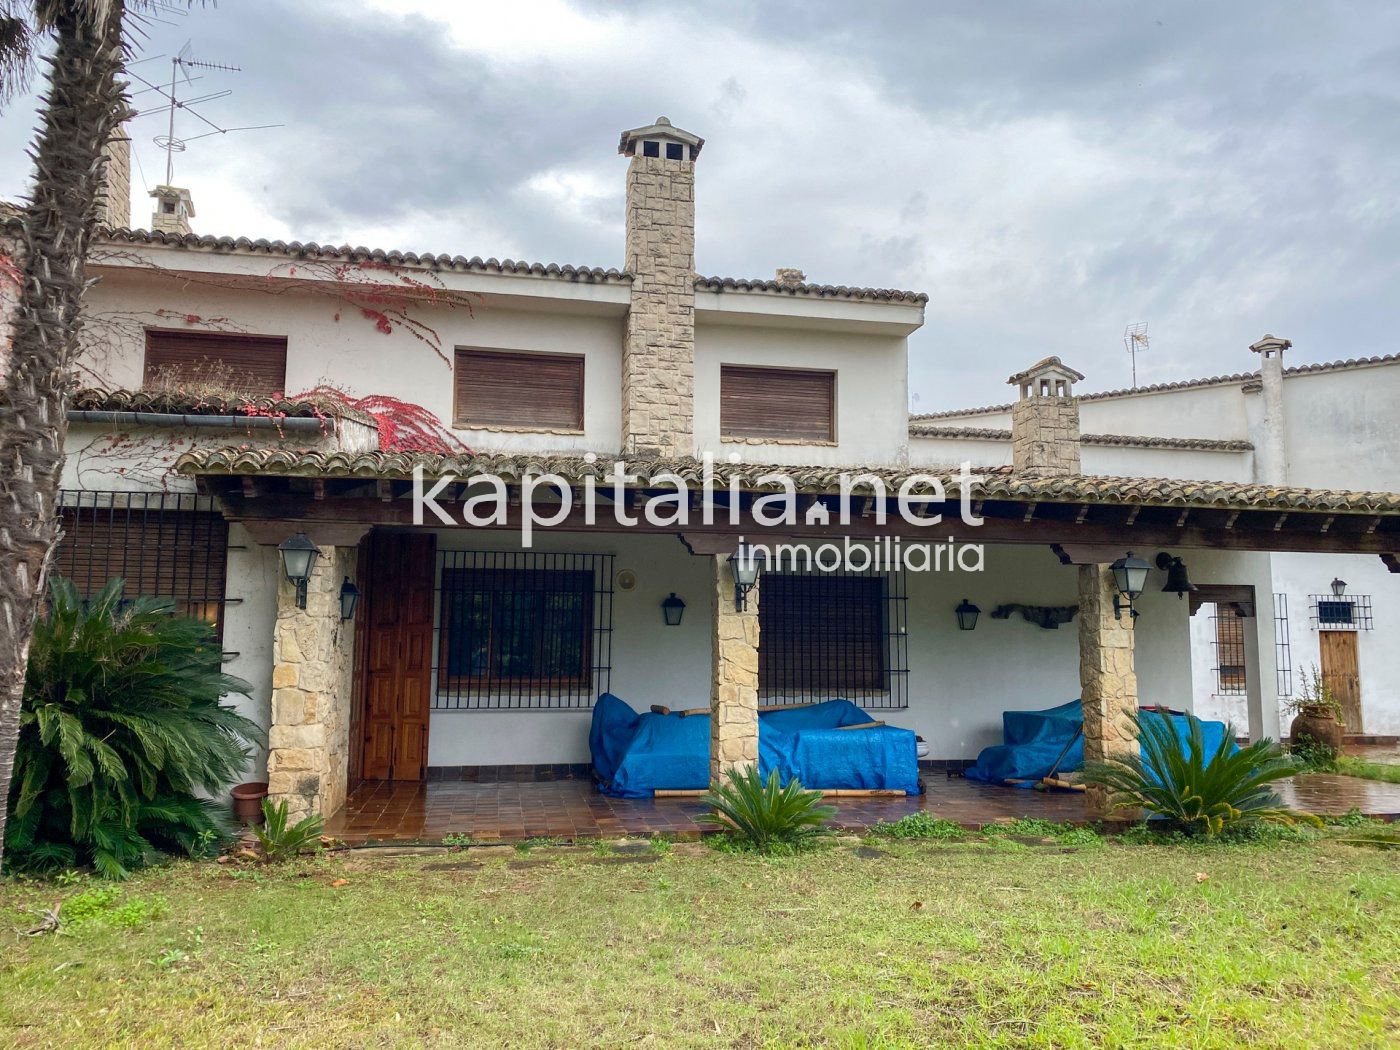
<point>651,149</point>
<point>230,362</point>
<point>792,404</point>
<point>508,388</point>
<point>1229,651</point>
<point>675,151</point>
<point>168,207</point>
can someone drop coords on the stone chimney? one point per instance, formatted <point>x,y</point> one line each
<point>114,209</point>
<point>789,277</point>
<point>174,210</point>
<point>1045,420</point>
<point>1270,458</point>
<point>658,350</point>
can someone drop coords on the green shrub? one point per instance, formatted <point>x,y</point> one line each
<point>920,826</point>
<point>279,841</point>
<point>1197,793</point>
<point>1313,754</point>
<point>120,725</point>
<point>1036,827</point>
<point>766,816</point>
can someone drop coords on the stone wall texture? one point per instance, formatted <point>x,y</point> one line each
<point>1107,678</point>
<point>658,354</point>
<point>313,656</point>
<point>1045,436</point>
<point>734,684</point>
<point>116,193</point>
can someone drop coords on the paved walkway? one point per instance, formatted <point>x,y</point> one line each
<point>379,811</point>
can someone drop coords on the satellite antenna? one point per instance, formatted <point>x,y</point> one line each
<point>180,77</point>
<point>1135,339</point>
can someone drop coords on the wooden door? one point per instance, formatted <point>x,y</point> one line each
<point>1341,673</point>
<point>398,656</point>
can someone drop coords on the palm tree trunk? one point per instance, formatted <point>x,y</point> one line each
<point>81,110</point>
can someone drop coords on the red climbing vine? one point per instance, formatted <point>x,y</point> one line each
<point>403,426</point>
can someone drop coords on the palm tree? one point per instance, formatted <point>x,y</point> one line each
<point>81,109</point>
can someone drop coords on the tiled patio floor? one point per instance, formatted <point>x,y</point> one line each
<point>408,812</point>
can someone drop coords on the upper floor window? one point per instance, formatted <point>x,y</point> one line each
<point>255,365</point>
<point>514,388</point>
<point>788,404</point>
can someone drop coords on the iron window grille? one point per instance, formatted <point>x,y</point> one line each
<point>162,544</point>
<point>1283,651</point>
<point>522,630</point>
<point>1350,612</point>
<point>1230,673</point>
<point>836,635</point>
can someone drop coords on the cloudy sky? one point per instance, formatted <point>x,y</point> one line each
<point>1048,172</point>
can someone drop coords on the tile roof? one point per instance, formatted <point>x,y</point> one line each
<point>1045,364</point>
<point>917,429</point>
<point>1184,384</point>
<point>994,484</point>
<point>191,404</point>
<point>814,291</point>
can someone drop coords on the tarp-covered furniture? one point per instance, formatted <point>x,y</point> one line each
<point>635,754</point>
<point>1033,740</point>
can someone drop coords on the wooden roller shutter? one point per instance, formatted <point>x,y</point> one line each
<point>251,364</point>
<point>513,388</point>
<point>794,404</point>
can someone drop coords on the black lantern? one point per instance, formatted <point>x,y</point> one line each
<point>967,614</point>
<point>745,563</point>
<point>1130,577</point>
<point>1177,581</point>
<point>1339,587</point>
<point>673,609</point>
<point>349,598</point>
<point>299,556</point>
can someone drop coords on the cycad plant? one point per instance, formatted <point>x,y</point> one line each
<point>1198,792</point>
<point>280,839</point>
<point>764,815</point>
<point>121,724</point>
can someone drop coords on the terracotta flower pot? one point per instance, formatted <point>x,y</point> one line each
<point>247,802</point>
<point>1319,724</point>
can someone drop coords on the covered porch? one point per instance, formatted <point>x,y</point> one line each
<point>366,714</point>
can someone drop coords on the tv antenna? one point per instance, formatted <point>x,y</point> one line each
<point>1135,339</point>
<point>181,66</point>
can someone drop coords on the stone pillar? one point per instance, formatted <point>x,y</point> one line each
<point>313,654</point>
<point>658,349</point>
<point>116,183</point>
<point>1107,680</point>
<point>734,686</point>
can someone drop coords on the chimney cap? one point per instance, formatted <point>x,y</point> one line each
<point>177,194</point>
<point>662,129</point>
<point>1048,366</point>
<point>1270,345</point>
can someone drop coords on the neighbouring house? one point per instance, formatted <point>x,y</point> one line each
<point>242,393</point>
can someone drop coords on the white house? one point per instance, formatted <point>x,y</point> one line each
<point>209,435</point>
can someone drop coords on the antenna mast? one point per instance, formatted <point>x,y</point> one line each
<point>1135,339</point>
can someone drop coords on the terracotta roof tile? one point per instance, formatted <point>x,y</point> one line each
<point>1184,384</point>
<point>179,403</point>
<point>995,484</point>
<point>917,429</point>
<point>814,291</point>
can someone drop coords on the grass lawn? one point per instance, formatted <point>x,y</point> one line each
<point>1351,766</point>
<point>891,943</point>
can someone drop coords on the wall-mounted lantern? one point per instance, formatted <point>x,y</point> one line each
<point>299,556</point>
<point>1130,577</point>
<point>1178,582</point>
<point>673,609</point>
<point>349,598</point>
<point>967,614</point>
<point>746,563</point>
<point>1339,587</point>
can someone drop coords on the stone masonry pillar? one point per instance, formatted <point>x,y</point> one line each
<point>658,349</point>
<point>313,654</point>
<point>734,683</point>
<point>1107,679</point>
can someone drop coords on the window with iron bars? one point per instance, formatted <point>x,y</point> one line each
<point>1230,674</point>
<point>839,635</point>
<point>163,544</point>
<point>1283,649</point>
<point>522,630</point>
<point>1348,612</point>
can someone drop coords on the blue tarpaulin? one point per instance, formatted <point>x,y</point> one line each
<point>636,754</point>
<point>1033,740</point>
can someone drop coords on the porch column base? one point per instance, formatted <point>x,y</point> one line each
<point>312,651</point>
<point>1108,682</point>
<point>734,683</point>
